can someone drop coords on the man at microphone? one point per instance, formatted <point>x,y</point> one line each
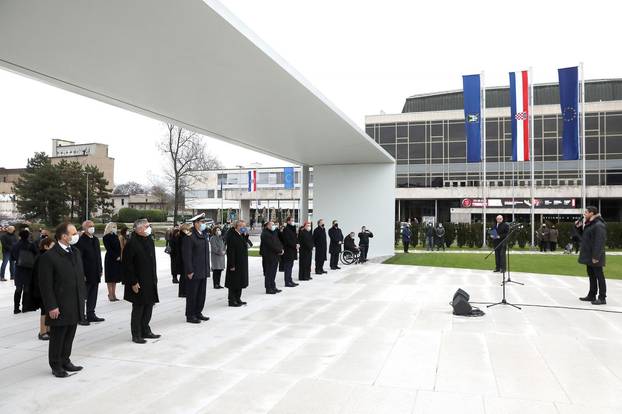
<point>593,232</point>
<point>499,232</point>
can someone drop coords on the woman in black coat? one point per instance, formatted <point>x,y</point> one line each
<point>305,240</point>
<point>175,255</point>
<point>112,261</point>
<point>24,253</point>
<point>237,264</point>
<point>184,231</point>
<point>32,293</point>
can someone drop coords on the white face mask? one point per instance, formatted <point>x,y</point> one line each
<point>113,231</point>
<point>74,239</point>
<point>91,230</point>
<point>148,231</point>
<point>274,227</point>
<point>218,232</point>
<point>307,228</point>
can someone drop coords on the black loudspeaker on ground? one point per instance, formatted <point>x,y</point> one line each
<point>461,304</point>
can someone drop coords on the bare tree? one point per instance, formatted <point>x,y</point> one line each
<point>188,156</point>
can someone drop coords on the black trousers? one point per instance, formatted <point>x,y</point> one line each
<point>553,246</point>
<point>319,265</point>
<point>270,269</point>
<point>500,257</point>
<point>217,273</point>
<point>17,296</point>
<point>195,296</point>
<point>597,282</point>
<point>235,295</point>
<point>364,249</point>
<point>141,316</point>
<point>406,244</point>
<point>287,272</point>
<point>304,266</point>
<point>334,260</point>
<point>61,341</point>
<point>91,299</point>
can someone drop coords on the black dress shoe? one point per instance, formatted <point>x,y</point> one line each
<point>319,273</point>
<point>151,335</point>
<point>84,322</point>
<point>496,271</point>
<point>44,337</point>
<point>587,299</point>
<point>202,317</point>
<point>599,302</point>
<point>138,340</point>
<point>193,320</point>
<point>235,304</point>
<point>175,281</point>
<point>60,373</point>
<point>242,303</point>
<point>70,367</point>
<point>95,319</point>
<point>16,311</point>
<point>324,271</point>
<point>291,285</point>
<point>337,268</point>
<point>218,287</point>
<point>271,292</point>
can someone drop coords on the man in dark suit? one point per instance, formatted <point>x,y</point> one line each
<point>289,238</point>
<point>336,240</point>
<point>499,232</point>
<point>141,280</point>
<point>61,283</point>
<point>270,249</point>
<point>196,255</point>
<point>88,245</point>
<point>237,263</point>
<point>319,242</point>
<point>593,232</point>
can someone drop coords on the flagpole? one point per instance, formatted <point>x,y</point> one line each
<point>483,132</point>
<point>583,184</point>
<point>531,157</point>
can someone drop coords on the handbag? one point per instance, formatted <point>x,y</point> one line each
<point>26,259</point>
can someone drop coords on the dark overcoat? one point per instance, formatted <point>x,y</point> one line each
<point>320,243</point>
<point>174,245</point>
<point>91,258</point>
<point>289,240</point>
<point>336,236</point>
<point>593,240</point>
<point>112,266</point>
<point>196,256</point>
<point>305,240</point>
<point>237,258</point>
<point>139,266</point>
<point>61,282</point>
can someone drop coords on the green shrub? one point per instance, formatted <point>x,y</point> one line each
<point>130,215</point>
<point>450,233</point>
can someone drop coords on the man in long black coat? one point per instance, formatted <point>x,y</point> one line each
<point>61,283</point>
<point>196,256</point>
<point>270,250</point>
<point>290,251</point>
<point>499,233</point>
<point>237,263</point>
<point>592,254</point>
<point>321,246</point>
<point>141,280</point>
<point>336,240</point>
<point>88,245</point>
<point>305,241</point>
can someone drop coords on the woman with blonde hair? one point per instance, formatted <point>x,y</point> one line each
<point>112,261</point>
<point>218,252</point>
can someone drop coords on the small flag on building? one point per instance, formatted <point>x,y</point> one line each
<point>519,111</point>
<point>252,180</point>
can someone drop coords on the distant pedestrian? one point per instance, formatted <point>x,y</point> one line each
<point>439,236</point>
<point>430,234</point>
<point>553,235</point>
<point>406,235</point>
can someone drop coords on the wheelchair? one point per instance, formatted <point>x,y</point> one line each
<point>348,257</point>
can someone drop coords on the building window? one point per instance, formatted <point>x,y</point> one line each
<point>210,193</point>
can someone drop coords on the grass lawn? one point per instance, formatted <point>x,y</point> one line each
<point>545,264</point>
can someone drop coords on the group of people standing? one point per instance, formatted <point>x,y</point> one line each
<point>546,237</point>
<point>434,236</point>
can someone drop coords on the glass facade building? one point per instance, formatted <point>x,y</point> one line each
<point>428,141</point>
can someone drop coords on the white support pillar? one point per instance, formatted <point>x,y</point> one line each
<point>358,195</point>
<point>304,194</point>
<point>245,210</point>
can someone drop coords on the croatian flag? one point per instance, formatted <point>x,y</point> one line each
<point>252,180</point>
<point>519,110</point>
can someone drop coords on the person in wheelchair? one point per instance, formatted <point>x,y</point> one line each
<point>348,244</point>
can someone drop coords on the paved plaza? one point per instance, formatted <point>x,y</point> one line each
<point>367,339</point>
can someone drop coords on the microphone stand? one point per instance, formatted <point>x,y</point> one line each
<point>504,281</point>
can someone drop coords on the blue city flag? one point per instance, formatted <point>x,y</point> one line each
<point>472,117</point>
<point>569,102</point>
<point>288,177</point>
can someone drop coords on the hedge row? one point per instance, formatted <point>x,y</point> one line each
<point>130,215</point>
<point>471,235</point>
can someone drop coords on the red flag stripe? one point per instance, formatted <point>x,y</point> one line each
<point>526,110</point>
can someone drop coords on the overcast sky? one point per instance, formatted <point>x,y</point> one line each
<point>364,56</point>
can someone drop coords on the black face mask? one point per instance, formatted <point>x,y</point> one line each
<point>336,225</point>
<point>322,225</point>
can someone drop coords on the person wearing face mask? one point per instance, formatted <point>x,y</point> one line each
<point>218,253</point>
<point>270,250</point>
<point>364,237</point>
<point>8,239</point>
<point>141,280</point>
<point>289,240</point>
<point>236,278</point>
<point>320,244</point>
<point>88,245</point>
<point>336,240</point>
<point>61,283</point>
<point>305,241</point>
<point>32,295</point>
<point>349,244</point>
<point>24,252</point>
<point>196,258</point>
<point>112,260</point>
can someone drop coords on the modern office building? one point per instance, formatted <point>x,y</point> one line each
<point>433,178</point>
<point>228,190</point>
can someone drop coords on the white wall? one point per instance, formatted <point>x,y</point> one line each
<point>358,195</point>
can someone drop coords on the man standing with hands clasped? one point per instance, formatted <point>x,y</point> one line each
<point>196,256</point>
<point>61,283</point>
<point>499,232</point>
<point>336,240</point>
<point>593,232</point>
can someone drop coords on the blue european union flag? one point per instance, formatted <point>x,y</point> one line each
<point>288,177</point>
<point>472,117</point>
<point>569,102</point>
